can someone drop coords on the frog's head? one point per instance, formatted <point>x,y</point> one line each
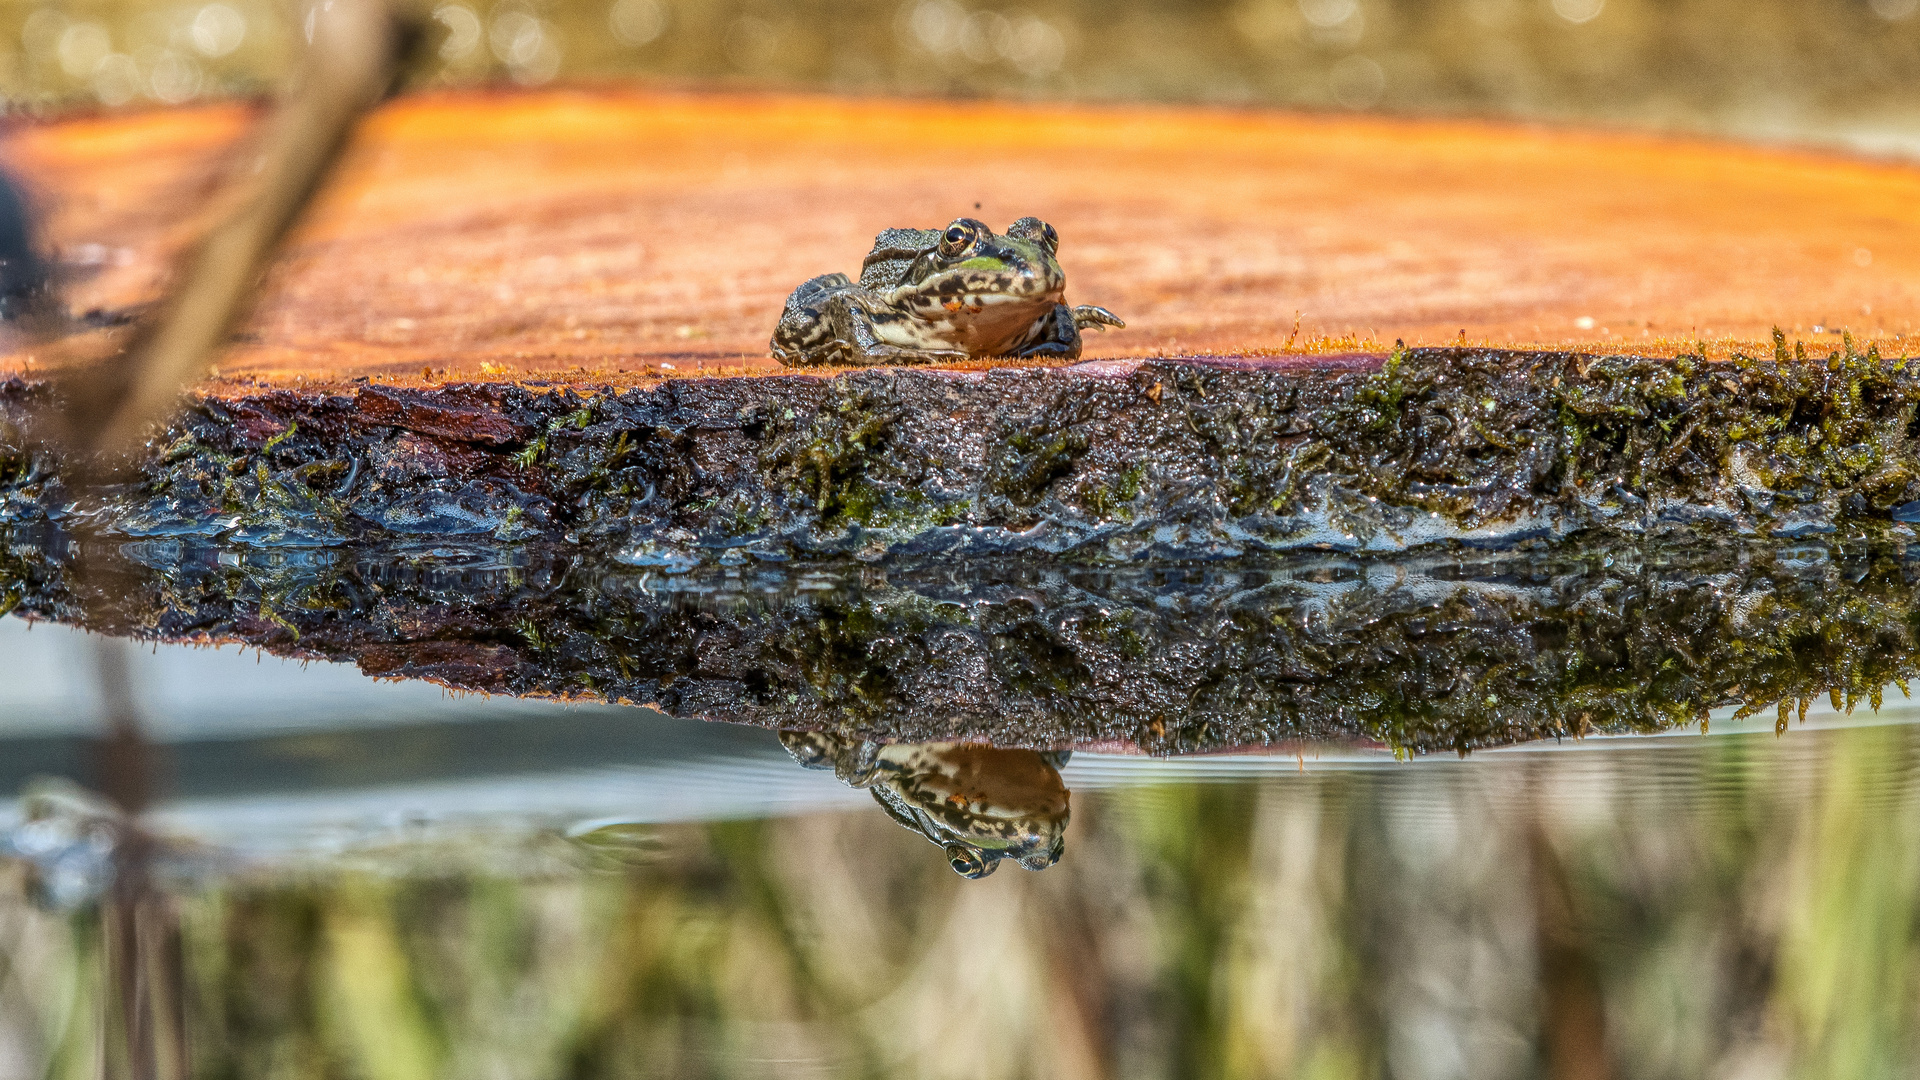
<point>970,265</point>
<point>982,805</point>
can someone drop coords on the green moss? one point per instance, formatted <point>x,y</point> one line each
<point>274,443</point>
<point>1114,498</point>
<point>530,455</point>
<point>1030,462</point>
<point>510,526</point>
<point>1474,432</point>
<point>748,517</point>
<point>1379,397</point>
<point>1236,455</point>
<point>16,462</point>
<point>824,459</point>
<point>266,612</point>
<point>1272,482</point>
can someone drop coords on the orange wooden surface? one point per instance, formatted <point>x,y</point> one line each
<point>606,232</point>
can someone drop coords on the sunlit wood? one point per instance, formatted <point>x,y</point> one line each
<point>609,234</point>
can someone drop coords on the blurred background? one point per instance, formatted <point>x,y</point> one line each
<point>1835,71</point>
<point>1735,907</point>
<point>374,881</point>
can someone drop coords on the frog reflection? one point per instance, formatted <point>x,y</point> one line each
<point>979,803</point>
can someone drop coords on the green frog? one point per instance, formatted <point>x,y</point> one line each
<point>939,295</point>
<point>980,804</point>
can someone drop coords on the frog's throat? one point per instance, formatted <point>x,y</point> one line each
<point>981,326</point>
<point>978,293</point>
<point>992,827</point>
<point>943,827</point>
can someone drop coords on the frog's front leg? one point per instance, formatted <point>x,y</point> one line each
<point>1055,335</point>
<point>854,327</point>
<point>855,761</point>
<point>805,335</point>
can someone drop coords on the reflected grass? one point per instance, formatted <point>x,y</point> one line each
<point>1742,903</point>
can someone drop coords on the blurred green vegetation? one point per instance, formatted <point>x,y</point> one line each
<point>1745,906</point>
<point>1830,69</point>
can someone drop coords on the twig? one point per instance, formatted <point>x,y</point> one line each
<point>106,408</point>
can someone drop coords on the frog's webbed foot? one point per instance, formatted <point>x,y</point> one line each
<point>1087,315</point>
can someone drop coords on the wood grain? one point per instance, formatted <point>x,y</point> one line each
<point>613,235</point>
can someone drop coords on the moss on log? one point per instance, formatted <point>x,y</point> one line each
<point>1104,461</point>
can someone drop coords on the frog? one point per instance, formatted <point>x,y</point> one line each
<point>980,804</point>
<point>938,296</point>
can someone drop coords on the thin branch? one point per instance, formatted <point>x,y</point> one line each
<point>352,61</point>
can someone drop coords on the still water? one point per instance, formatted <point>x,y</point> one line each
<point>378,879</point>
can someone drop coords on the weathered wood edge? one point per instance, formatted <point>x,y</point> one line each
<point>1197,457</point>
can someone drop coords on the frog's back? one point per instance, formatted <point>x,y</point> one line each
<point>893,252</point>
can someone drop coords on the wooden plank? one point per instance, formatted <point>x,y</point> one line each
<point>616,235</point>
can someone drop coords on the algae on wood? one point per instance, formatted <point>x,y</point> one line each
<point>1194,458</point>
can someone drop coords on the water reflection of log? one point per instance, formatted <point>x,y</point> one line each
<point>1447,651</point>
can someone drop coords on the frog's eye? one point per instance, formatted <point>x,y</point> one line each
<point>1032,228</point>
<point>956,238</point>
<point>969,862</point>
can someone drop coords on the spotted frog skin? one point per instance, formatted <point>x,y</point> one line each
<point>980,804</point>
<point>938,295</point>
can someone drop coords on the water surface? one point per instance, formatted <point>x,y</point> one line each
<point>379,879</point>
